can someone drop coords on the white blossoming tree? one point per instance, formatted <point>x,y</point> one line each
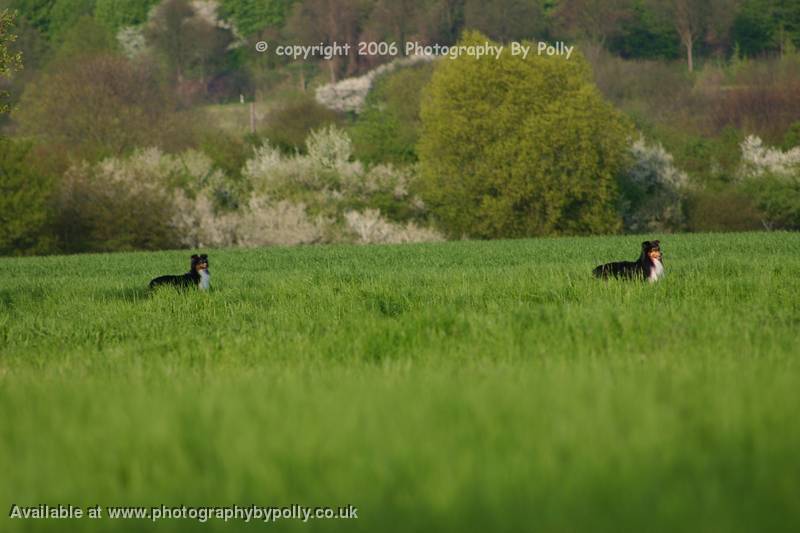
<point>651,191</point>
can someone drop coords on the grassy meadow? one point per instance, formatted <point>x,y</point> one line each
<point>463,386</point>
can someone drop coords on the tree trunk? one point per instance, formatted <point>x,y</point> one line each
<point>689,57</point>
<point>332,69</point>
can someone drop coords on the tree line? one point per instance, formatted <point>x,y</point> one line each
<point>201,47</point>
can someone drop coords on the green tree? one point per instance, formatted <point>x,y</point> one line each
<point>518,147</point>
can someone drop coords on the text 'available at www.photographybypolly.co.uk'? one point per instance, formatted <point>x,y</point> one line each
<point>226,513</point>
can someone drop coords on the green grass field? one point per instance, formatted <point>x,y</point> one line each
<point>467,386</point>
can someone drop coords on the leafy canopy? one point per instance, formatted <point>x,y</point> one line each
<point>515,147</point>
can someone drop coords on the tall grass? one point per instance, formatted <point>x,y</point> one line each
<point>486,386</point>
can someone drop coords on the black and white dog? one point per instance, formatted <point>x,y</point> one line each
<point>198,276</point>
<point>648,267</point>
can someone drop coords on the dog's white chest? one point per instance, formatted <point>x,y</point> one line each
<point>657,272</point>
<point>205,280</point>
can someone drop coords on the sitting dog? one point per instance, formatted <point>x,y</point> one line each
<point>648,267</point>
<point>197,276</point>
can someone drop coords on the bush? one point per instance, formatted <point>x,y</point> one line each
<point>24,202</point>
<point>514,147</point>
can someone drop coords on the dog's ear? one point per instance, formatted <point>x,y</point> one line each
<point>203,256</point>
<point>656,243</point>
<point>646,244</point>
<point>195,257</point>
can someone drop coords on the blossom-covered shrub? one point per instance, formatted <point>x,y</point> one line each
<point>153,200</point>
<point>651,191</point>
<point>265,223</point>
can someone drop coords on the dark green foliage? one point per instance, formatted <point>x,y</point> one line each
<point>753,29</point>
<point>24,201</point>
<point>766,26</point>
<point>388,128</point>
<point>515,147</point>
<point>37,12</point>
<point>643,35</point>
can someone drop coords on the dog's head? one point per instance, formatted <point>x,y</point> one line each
<point>652,250</point>
<point>199,263</point>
